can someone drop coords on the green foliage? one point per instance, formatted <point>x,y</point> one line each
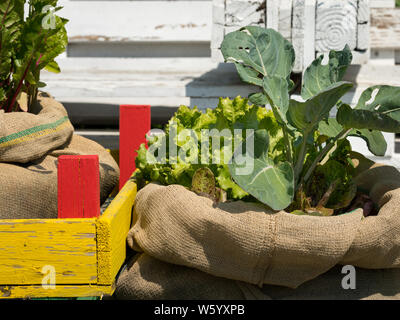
<point>318,77</point>
<point>265,180</point>
<point>258,51</point>
<point>265,59</point>
<point>229,115</point>
<point>339,169</point>
<point>379,112</point>
<point>28,46</point>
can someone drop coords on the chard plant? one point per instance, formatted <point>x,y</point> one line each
<point>29,43</point>
<point>315,175</point>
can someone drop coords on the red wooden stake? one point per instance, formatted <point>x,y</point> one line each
<point>78,186</point>
<point>134,124</point>
<point>90,184</point>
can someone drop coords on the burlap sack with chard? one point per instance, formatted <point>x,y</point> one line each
<point>30,143</point>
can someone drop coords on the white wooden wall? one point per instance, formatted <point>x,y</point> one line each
<point>159,53</point>
<point>313,26</point>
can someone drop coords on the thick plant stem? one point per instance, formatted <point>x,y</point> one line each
<point>324,151</point>
<point>300,160</point>
<point>288,145</point>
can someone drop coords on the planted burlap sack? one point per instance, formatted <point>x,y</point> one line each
<point>28,160</point>
<point>249,243</point>
<point>147,278</point>
<point>28,136</point>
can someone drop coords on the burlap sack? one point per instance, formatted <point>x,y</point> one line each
<point>29,147</point>
<point>248,243</point>
<point>28,136</point>
<point>146,278</point>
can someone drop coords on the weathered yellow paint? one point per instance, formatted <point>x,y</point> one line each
<point>112,228</point>
<point>27,245</point>
<point>64,291</point>
<point>86,253</point>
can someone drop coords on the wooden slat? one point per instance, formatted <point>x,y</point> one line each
<point>385,28</point>
<point>64,291</point>
<point>78,186</point>
<point>68,245</point>
<point>126,21</point>
<point>112,228</point>
<point>168,24</point>
<point>134,124</point>
<point>298,33</point>
<point>272,14</point>
<point>285,19</point>
<point>309,32</point>
<point>382,3</point>
<point>363,25</point>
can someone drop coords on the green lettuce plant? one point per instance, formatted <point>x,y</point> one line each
<point>228,115</point>
<point>316,155</point>
<point>29,43</point>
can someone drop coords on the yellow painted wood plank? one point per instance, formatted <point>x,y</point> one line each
<point>112,228</point>
<point>62,291</point>
<point>28,245</point>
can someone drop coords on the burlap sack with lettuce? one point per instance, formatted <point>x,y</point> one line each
<point>30,144</point>
<point>247,243</point>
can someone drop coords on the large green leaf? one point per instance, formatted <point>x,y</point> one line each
<point>270,183</point>
<point>329,127</point>
<point>318,77</point>
<point>277,90</point>
<point>375,140</point>
<point>306,115</point>
<point>377,109</point>
<point>263,50</point>
<point>383,99</point>
<point>258,99</point>
<point>366,119</point>
<point>249,75</point>
<point>53,46</point>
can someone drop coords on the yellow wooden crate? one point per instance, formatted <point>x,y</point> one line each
<point>86,254</point>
